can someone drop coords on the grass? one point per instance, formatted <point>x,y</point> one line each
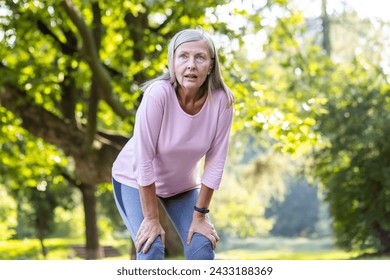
<point>238,254</point>
<point>30,249</point>
<point>273,248</point>
<point>232,249</point>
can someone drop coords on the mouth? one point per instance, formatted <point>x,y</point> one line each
<point>191,76</point>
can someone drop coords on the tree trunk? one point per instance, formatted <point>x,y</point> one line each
<point>93,250</point>
<point>326,44</point>
<point>41,237</point>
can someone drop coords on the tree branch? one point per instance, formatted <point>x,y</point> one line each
<point>65,48</point>
<point>68,100</point>
<point>41,122</point>
<point>94,96</point>
<point>73,182</point>
<point>70,48</point>
<point>90,168</point>
<point>90,54</point>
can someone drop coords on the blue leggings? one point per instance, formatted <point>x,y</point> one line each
<point>179,209</point>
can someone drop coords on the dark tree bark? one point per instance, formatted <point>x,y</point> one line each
<point>326,43</point>
<point>93,249</point>
<point>41,235</point>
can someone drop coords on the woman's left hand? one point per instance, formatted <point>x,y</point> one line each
<point>201,225</point>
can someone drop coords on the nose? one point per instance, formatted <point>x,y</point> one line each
<point>191,64</point>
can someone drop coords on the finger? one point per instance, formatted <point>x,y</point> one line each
<point>147,245</point>
<point>138,245</point>
<point>138,239</point>
<point>189,237</point>
<point>213,241</point>
<point>139,233</point>
<point>216,238</point>
<point>216,235</point>
<point>141,240</point>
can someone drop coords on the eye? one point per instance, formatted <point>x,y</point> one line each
<point>183,56</point>
<point>200,58</point>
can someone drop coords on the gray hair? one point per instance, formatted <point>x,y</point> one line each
<point>213,81</point>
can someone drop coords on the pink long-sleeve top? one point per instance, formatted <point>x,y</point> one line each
<point>168,143</point>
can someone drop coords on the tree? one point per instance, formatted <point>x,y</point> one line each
<point>353,164</point>
<point>352,161</point>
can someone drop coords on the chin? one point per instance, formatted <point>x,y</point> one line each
<point>190,86</point>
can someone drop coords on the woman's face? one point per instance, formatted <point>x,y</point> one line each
<point>192,64</point>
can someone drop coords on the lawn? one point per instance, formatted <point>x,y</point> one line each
<point>232,249</point>
<point>274,248</point>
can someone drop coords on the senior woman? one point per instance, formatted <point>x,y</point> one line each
<point>185,115</point>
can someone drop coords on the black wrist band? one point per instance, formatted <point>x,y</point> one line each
<point>201,210</point>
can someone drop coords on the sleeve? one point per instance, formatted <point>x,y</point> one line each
<point>216,156</point>
<point>146,132</point>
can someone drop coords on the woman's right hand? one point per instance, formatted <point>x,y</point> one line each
<point>147,233</point>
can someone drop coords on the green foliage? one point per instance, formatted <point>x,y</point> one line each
<point>69,223</point>
<point>300,100</point>
<point>354,163</point>
<point>36,209</point>
<point>26,168</point>
<point>279,94</point>
<point>31,170</point>
<point>7,214</point>
<point>26,160</point>
<point>109,217</point>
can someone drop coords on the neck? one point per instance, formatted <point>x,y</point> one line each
<point>191,102</point>
<point>188,95</point>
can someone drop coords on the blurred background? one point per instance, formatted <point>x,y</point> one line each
<point>308,172</point>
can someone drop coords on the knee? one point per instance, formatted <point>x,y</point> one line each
<point>200,248</point>
<point>155,252</point>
